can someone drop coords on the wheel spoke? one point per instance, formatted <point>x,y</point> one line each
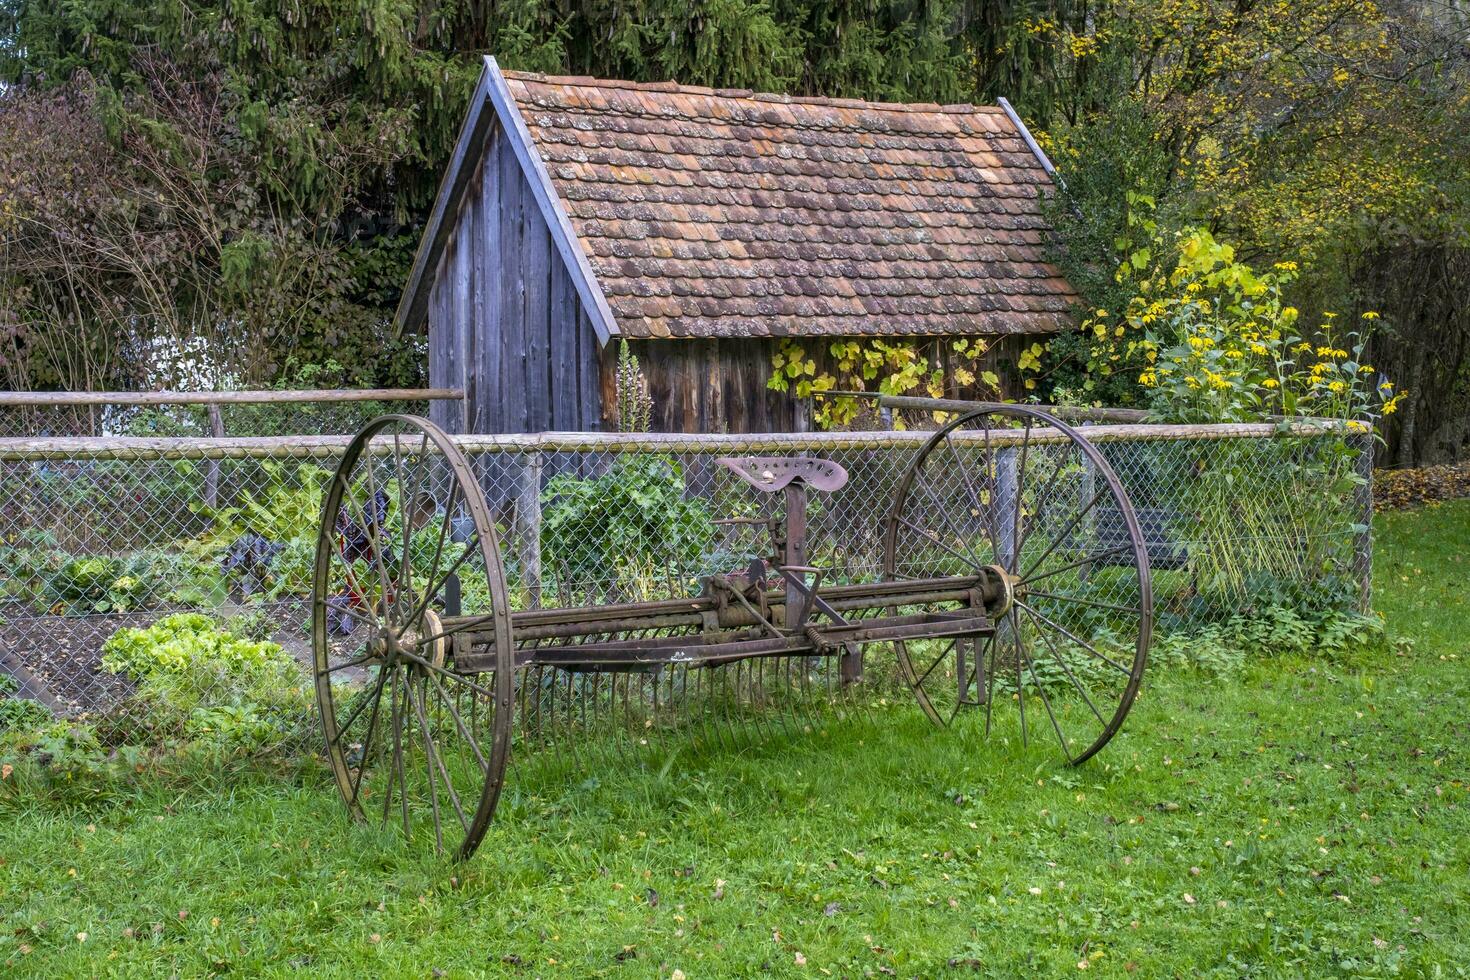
<point>1086,602</point>
<point>1057,656</point>
<point>470,548</point>
<point>1020,687</point>
<point>949,522</point>
<point>438,554</point>
<point>375,530</point>
<point>1088,560</point>
<point>1072,636</point>
<point>982,510</point>
<point>933,539</point>
<point>937,660</point>
<point>1046,703</point>
<point>433,756</point>
<point>1042,488</point>
<point>368,618</point>
<point>1061,535</point>
<point>355,662</point>
<point>367,746</point>
<point>443,672</point>
<point>1020,499</point>
<point>361,706</point>
<point>467,623</point>
<point>990,648</point>
<point>465,733</point>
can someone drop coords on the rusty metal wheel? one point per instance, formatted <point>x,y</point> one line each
<point>1016,495</point>
<point>407,557</point>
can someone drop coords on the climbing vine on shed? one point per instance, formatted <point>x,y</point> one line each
<point>936,367</point>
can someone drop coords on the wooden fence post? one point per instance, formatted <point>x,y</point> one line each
<point>1006,490</point>
<point>211,473</point>
<point>528,526</point>
<point>1363,539</point>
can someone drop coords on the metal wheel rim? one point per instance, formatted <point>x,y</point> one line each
<point>1137,548</point>
<point>474,502</point>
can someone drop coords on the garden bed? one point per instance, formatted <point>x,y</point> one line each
<point>63,654</point>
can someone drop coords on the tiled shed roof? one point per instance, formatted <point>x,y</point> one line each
<point>722,213</point>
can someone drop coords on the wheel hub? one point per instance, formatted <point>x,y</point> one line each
<point>425,641</point>
<point>1001,590</point>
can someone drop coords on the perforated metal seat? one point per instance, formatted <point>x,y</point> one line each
<point>771,473</point>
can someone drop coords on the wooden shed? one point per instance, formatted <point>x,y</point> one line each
<point>703,225</point>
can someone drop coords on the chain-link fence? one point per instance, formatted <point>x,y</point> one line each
<point>112,549</point>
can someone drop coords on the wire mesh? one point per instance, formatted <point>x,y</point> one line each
<point>113,536</point>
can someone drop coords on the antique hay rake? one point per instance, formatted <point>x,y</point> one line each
<point>1013,595</point>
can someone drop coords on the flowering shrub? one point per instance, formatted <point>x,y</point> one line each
<point>1219,343</point>
<point>1213,340</point>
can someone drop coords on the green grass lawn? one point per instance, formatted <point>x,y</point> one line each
<point>1306,818</point>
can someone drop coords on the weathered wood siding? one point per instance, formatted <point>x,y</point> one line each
<point>715,386</point>
<point>505,321</point>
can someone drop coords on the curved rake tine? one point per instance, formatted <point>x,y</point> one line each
<point>753,700</point>
<point>780,700</point>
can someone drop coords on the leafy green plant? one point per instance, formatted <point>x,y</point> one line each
<point>27,561</point>
<point>611,529</point>
<point>287,512</point>
<point>288,506</point>
<point>99,585</point>
<point>20,714</point>
<point>198,679</point>
<point>84,585</point>
<point>1223,648</point>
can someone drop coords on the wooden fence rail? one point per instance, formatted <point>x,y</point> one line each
<point>37,399</point>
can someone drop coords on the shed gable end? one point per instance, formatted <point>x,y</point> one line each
<point>506,321</point>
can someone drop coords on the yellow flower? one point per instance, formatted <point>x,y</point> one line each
<point>1337,387</point>
<point>1370,315</point>
<point>1269,383</point>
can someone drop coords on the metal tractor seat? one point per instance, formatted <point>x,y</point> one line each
<point>771,473</point>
